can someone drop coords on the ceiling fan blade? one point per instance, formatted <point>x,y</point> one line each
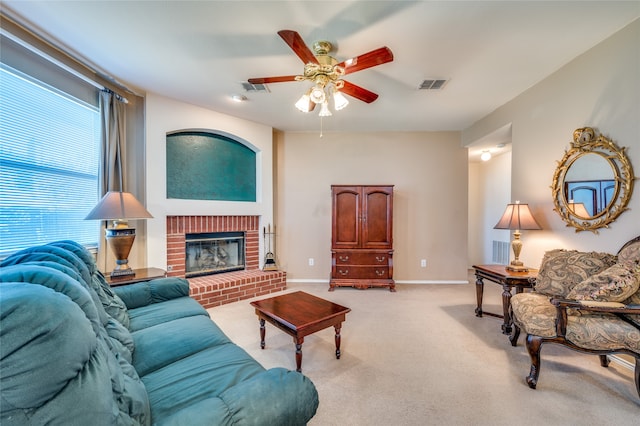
<point>368,60</point>
<point>358,92</point>
<point>296,44</point>
<point>265,80</point>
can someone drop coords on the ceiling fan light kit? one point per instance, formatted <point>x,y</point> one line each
<point>326,74</point>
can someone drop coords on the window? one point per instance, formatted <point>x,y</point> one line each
<point>49,159</point>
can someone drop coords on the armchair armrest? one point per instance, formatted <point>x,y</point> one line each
<point>153,291</point>
<point>562,305</point>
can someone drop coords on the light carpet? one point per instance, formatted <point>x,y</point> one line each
<point>420,356</point>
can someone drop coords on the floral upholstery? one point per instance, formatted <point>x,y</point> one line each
<point>534,314</point>
<point>615,284</point>
<point>562,269</point>
<point>592,292</point>
<point>602,332</point>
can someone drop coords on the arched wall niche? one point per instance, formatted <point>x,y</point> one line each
<point>210,165</point>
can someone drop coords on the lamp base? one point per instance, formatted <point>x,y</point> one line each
<point>120,240</point>
<point>116,273</point>
<point>517,267</point>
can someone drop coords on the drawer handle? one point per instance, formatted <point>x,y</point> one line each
<point>341,272</point>
<point>380,273</point>
<point>381,258</point>
<point>343,258</point>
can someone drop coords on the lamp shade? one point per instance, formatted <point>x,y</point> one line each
<point>118,205</point>
<point>517,216</point>
<point>339,101</point>
<point>304,104</point>
<point>578,209</point>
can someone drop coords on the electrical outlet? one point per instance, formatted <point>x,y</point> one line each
<point>423,263</point>
<point>311,261</point>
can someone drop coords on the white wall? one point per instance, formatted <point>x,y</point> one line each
<point>165,115</point>
<point>489,194</point>
<point>599,89</point>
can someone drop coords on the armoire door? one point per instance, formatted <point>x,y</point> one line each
<point>377,218</point>
<point>347,217</point>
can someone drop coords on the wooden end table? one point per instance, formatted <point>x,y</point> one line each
<point>507,279</point>
<point>142,274</point>
<point>300,314</point>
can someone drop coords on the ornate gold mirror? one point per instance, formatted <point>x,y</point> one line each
<point>593,182</point>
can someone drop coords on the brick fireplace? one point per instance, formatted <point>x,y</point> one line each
<point>218,289</point>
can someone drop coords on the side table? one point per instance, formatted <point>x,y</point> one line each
<point>142,274</point>
<point>507,279</point>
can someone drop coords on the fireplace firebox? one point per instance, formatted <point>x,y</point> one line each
<point>214,253</point>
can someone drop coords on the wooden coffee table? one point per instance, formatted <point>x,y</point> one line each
<point>300,314</point>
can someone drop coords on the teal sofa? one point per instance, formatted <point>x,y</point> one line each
<point>74,351</point>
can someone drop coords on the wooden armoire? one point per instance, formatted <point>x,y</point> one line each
<point>362,236</point>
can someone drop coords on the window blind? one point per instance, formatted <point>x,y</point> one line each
<point>49,156</point>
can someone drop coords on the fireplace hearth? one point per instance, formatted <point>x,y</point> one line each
<point>227,287</point>
<point>214,253</point>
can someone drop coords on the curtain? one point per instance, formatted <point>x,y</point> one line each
<point>112,145</point>
<point>111,176</point>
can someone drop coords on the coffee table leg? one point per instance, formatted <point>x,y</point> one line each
<point>338,338</point>
<point>262,332</point>
<point>299,342</point>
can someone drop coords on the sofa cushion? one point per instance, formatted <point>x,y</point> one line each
<point>154,291</point>
<point>46,331</point>
<point>165,343</point>
<point>561,269</point>
<point>203,375</point>
<point>614,284</point>
<point>108,363</point>
<point>60,366</point>
<point>59,252</point>
<point>159,313</point>
<point>58,281</point>
<point>112,304</point>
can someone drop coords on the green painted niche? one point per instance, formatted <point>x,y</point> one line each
<point>209,166</point>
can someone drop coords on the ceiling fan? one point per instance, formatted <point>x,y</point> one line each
<point>326,73</point>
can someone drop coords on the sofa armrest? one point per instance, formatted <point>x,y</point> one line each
<point>275,397</point>
<point>153,291</point>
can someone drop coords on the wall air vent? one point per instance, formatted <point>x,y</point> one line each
<point>254,87</point>
<point>432,84</point>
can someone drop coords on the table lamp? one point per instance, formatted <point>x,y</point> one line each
<point>578,209</point>
<point>517,217</point>
<point>119,207</point>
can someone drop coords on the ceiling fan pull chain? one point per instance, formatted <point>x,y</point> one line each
<point>321,126</point>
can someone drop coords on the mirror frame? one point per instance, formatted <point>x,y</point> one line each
<point>584,143</point>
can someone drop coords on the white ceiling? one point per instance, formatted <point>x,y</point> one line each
<point>200,51</point>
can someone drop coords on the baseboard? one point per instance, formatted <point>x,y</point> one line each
<point>432,281</point>
<point>622,362</point>
<point>321,281</point>
<point>308,281</point>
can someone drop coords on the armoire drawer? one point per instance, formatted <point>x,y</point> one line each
<point>361,272</point>
<point>361,258</point>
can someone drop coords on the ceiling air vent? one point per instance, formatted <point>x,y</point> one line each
<point>432,84</point>
<point>254,87</point>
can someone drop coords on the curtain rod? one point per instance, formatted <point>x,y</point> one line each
<point>29,39</point>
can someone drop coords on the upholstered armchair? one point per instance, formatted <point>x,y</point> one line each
<point>588,302</point>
